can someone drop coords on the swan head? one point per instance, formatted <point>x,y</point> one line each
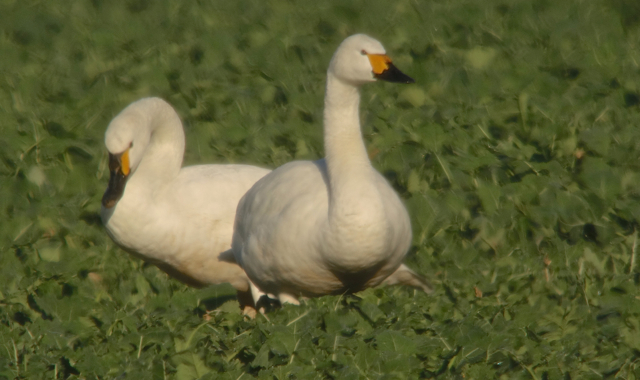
<point>362,59</point>
<point>126,140</point>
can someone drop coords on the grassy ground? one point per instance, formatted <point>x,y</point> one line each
<point>517,153</point>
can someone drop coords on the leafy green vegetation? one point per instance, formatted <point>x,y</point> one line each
<point>517,153</point>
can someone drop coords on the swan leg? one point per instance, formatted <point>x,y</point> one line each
<point>256,293</point>
<point>247,305</point>
<point>261,300</point>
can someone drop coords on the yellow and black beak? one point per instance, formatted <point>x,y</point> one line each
<point>385,70</point>
<point>119,170</point>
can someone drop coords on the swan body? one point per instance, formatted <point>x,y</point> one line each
<point>180,219</point>
<point>334,225</point>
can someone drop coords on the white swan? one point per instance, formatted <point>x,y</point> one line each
<point>334,225</point>
<point>180,219</point>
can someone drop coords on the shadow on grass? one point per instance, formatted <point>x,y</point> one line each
<point>213,303</point>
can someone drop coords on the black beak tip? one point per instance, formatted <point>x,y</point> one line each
<point>108,203</point>
<point>394,75</point>
<point>115,189</point>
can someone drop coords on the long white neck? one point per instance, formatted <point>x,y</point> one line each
<point>355,205</point>
<point>348,165</point>
<point>162,157</point>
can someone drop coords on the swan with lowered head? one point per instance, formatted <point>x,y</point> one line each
<point>180,219</point>
<point>334,225</point>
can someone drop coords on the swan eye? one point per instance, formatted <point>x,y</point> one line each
<point>363,52</point>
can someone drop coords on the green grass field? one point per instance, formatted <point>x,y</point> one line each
<point>517,154</point>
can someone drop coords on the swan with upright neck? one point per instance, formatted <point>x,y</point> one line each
<point>180,219</point>
<point>334,225</point>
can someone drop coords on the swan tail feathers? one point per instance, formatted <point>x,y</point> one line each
<point>405,276</point>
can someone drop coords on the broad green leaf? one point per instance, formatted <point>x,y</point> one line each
<point>395,341</point>
<point>50,252</point>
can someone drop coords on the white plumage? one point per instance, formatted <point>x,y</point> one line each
<point>180,219</point>
<point>334,225</point>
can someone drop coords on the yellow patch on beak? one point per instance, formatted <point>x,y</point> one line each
<point>379,62</point>
<point>124,162</point>
<point>119,170</point>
